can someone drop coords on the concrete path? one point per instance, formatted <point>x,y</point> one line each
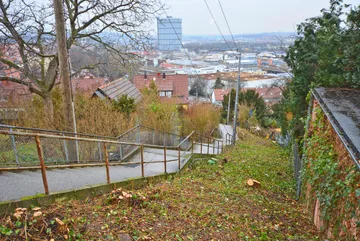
<point>225,129</point>
<point>15,185</point>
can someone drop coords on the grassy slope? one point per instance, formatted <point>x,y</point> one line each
<point>207,202</point>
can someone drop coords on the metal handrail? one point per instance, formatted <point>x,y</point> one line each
<point>55,131</point>
<point>128,131</point>
<point>186,138</point>
<point>165,132</point>
<point>79,139</point>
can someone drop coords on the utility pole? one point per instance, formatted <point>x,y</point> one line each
<point>237,99</point>
<point>228,111</point>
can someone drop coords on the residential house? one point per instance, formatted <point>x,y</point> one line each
<point>168,86</point>
<point>271,95</point>
<point>217,96</point>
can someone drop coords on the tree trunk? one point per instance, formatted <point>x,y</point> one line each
<point>64,71</point>
<point>64,64</point>
<point>48,109</point>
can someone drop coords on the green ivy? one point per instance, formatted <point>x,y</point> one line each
<point>333,182</point>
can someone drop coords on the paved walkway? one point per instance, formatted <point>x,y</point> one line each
<point>225,129</point>
<point>18,184</point>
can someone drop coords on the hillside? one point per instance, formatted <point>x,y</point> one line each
<point>207,201</point>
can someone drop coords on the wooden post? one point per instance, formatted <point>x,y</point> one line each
<point>218,146</point>
<point>179,162</point>
<point>42,164</point>
<point>142,160</point>
<point>208,147</point>
<point>201,145</point>
<point>192,147</point>
<point>165,159</point>
<point>107,164</point>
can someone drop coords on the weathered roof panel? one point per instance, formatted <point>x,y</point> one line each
<point>343,106</point>
<point>117,88</point>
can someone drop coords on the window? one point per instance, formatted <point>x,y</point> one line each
<point>167,93</point>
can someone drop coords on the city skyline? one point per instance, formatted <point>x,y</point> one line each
<point>244,17</point>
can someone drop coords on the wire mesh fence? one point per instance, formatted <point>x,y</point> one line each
<point>297,167</point>
<point>150,136</point>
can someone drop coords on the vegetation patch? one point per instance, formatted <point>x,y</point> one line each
<point>332,178</point>
<point>208,201</point>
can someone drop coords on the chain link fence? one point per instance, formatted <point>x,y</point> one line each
<point>297,167</point>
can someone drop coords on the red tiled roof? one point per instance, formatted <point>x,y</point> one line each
<point>165,86</point>
<point>179,83</point>
<point>88,84</point>
<point>219,94</point>
<point>270,93</point>
<point>167,65</point>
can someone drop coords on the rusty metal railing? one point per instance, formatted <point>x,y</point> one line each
<point>37,151</point>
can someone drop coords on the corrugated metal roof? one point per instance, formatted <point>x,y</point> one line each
<point>118,88</point>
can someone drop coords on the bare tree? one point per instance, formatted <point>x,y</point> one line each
<point>117,26</point>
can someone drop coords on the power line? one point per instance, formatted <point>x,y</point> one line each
<point>227,23</point>
<point>212,15</point>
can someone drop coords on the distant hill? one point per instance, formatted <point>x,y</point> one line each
<point>255,36</point>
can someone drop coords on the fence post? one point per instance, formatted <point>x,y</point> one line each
<point>165,159</point>
<point>42,164</point>
<point>153,137</point>
<point>142,161</point>
<point>107,164</point>
<point>138,135</point>
<point>121,153</point>
<point>201,145</point>
<point>179,161</point>
<point>100,154</point>
<point>192,147</point>
<point>14,148</point>
<point>65,149</point>
<point>218,146</point>
<point>208,146</point>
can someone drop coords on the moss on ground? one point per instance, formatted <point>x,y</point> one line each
<point>205,202</point>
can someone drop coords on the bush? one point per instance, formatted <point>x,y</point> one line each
<point>93,116</point>
<point>202,118</point>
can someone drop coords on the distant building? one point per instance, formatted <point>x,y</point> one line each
<point>271,95</point>
<point>117,88</point>
<point>217,96</point>
<point>169,34</point>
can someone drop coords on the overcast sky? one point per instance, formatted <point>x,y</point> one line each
<point>245,16</point>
